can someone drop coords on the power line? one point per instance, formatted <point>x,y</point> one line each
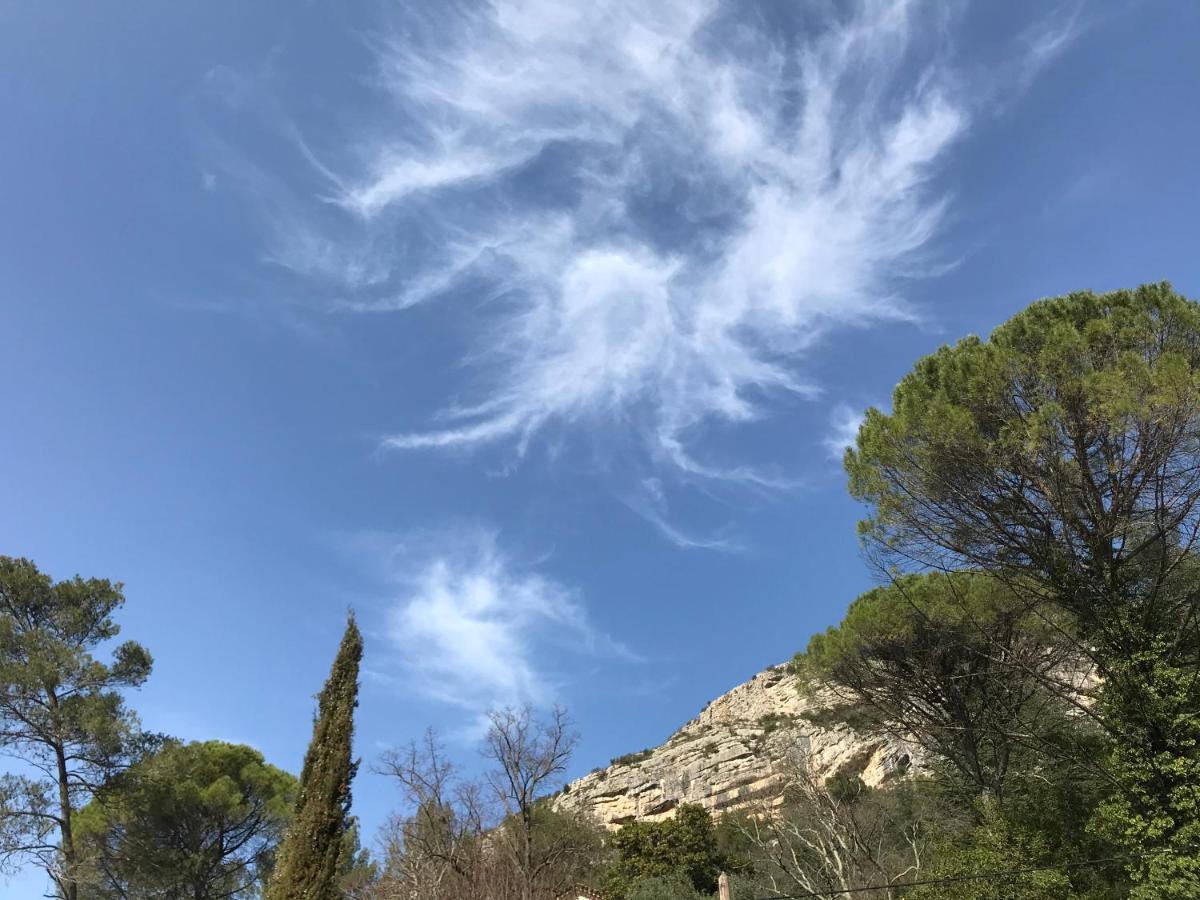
<point>1081,864</point>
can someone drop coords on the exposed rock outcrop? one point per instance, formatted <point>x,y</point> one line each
<point>731,755</point>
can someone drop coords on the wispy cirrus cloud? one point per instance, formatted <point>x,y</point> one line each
<point>844,423</point>
<point>650,502</point>
<point>1045,39</point>
<point>473,627</point>
<point>669,204</point>
<point>730,201</point>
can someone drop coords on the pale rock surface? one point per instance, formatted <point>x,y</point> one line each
<point>732,755</point>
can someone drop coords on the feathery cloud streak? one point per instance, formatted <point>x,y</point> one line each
<point>667,204</point>
<point>475,629</point>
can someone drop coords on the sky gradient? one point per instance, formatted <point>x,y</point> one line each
<point>530,330</point>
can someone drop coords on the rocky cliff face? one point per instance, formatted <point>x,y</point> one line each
<point>730,756</point>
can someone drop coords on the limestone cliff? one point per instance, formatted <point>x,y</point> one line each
<point>730,756</point>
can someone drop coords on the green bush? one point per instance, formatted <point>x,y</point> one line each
<point>659,887</point>
<point>683,848</point>
<point>631,759</point>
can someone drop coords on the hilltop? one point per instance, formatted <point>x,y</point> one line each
<point>730,756</point>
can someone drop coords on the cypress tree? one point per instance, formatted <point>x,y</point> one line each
<point>309,859</point>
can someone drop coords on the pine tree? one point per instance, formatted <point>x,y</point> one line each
<point>1059,457</point>
<point>309,860</point>
<point>61,710</point>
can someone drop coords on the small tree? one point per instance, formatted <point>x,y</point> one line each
<point>498,837</point>
<point>684,847</point>
<point>312,857</point>
<point>436,851</point>
<point>61,710</point>
<point>531,756</point>
<point>198,820</point>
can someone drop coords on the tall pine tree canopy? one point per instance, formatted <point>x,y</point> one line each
<point>61,710</point>
<point>1060,457</point>
<point>199,820</point>
<point>312,856</point>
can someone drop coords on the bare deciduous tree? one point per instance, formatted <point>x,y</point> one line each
<point>831,837</point>
<point>531,756</point>
<point>495,838</point>
<point>434,852</point>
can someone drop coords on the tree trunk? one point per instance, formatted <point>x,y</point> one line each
<point>527,856</point>
<point>69,884</point>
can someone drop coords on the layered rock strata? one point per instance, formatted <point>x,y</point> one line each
<point>734,754</point>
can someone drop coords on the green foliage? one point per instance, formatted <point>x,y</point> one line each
<point>1158,812</point>
<point>684,848</point>
<point>1060,457</point>
<point>994,846</point>
<point>736,853</point>
<point>631,759</point>
<point>857,715</point>
<point>769,722</point>
<point>845,788</point>
<point>358,874</point>
<point>1018,453</point>
<point>663,887</point>
<point>62,710</point>
<point>915,613</point>
<point>567,845</point>
<point>1043,824</point>
<point>312,858</point>
<point>192,820</point>
<point>958,662</point>
<point>772,722</point>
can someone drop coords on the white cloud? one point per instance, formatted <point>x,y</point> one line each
<point>474,628</point>
<point>674,201</point>
<point>650,502</point>
<point>1045,40</point>
<point>844,423</point>
<point>802,188</point>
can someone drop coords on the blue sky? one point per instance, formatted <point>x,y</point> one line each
<point>530,330</point>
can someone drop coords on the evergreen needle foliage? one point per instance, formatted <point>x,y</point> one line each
<point>199,820</point>
<point>311,856</point>
<point>61,711</point>
<point>1059,458</point>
